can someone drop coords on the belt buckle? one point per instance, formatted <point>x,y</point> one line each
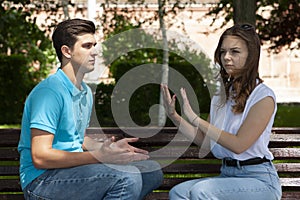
<point>231,162</point>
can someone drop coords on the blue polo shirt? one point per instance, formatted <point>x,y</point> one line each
<point>55,105</point>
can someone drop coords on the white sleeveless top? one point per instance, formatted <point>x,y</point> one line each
<point>224,119</point>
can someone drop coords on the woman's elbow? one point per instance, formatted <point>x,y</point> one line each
<point>239,149</point>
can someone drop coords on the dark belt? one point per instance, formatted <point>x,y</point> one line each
<point>252,161</point>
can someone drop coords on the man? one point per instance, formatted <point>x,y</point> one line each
<point>57,160</point>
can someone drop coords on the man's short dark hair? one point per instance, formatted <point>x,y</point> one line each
<point>67,31</point>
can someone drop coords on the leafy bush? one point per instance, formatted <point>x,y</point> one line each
<point>15,85</point>
<point>26,57</point>
<point>287,115</point>
<point>145,96</point>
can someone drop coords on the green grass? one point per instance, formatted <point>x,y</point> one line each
<point>10,126</point>
<point>287,115</point>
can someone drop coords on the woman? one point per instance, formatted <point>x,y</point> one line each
<point>239,125</point>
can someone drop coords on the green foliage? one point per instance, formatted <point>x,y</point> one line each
<point>21,36</point>
<point>287,115</point>
<point>126,53</point>
<point>16,31</point>
<point>146,95</point>
<point>118,46</point>
<point>103,105</point>
<point>133,11</point>
<point>15,85</point>
<point>280,27</point>
<point>26,57</point>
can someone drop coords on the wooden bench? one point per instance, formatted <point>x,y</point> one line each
<point>284,144</point>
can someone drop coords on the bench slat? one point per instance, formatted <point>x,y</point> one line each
<point>288,184</point>
<point>11,137</point>
<point>284,140</point>
<point>291,182</point>
<point>172,152</point>
<point>157,196</point>
<point>7,154</point>
<point>284,130</point>
<point>164,137</point>
<point>181,168</point>
<point>288,167</point>
<point>10,185</point>
<point>286,153</point>
<point>9,170</point>
<point>164,196</point>
<point>13,197</point>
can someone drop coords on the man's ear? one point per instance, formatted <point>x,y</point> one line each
<point>66,51</point>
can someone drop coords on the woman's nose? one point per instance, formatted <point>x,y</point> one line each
<point>227,56</point>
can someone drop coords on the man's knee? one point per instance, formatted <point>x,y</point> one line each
<point>151,172</point>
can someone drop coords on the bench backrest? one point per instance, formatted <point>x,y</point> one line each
<point>176,154</point>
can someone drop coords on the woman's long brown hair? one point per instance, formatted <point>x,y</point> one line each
<point>243,85</point>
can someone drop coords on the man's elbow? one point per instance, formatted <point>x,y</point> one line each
<point>38,162</point>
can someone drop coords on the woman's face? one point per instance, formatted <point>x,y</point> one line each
<point>234,53</point>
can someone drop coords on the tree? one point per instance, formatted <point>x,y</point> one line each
<point>164,14</point>
<point>138,12</point>
<point>26,57</point>
<point>165,63</point>
<point>277,21</point>
<point>116,21</point>
<point>244,11</point>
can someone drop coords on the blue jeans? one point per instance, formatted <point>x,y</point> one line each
<point>259,182</point>
<point>97,181</point>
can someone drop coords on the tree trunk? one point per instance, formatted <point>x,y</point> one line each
<point>165,65</point>
<point>244,11</point>
<point>65,4</point>
<point>91,10</point>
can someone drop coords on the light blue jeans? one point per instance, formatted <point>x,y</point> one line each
<point>97,181</point>
<point>251,182</point>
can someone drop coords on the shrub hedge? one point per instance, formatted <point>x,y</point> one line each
<point>15,84</point>
<point>145,96</point>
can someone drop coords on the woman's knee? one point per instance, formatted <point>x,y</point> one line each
<point>179,192</point>
<point>183,190</point>
<point>172,193</point>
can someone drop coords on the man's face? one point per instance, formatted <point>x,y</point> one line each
<point>84,53</point>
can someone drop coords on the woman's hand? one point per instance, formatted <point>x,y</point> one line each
<point>169,102</point>
<point>187,109</point>
<point>120,152</point>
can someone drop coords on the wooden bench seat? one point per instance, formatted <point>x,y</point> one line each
<point>166,146</point>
